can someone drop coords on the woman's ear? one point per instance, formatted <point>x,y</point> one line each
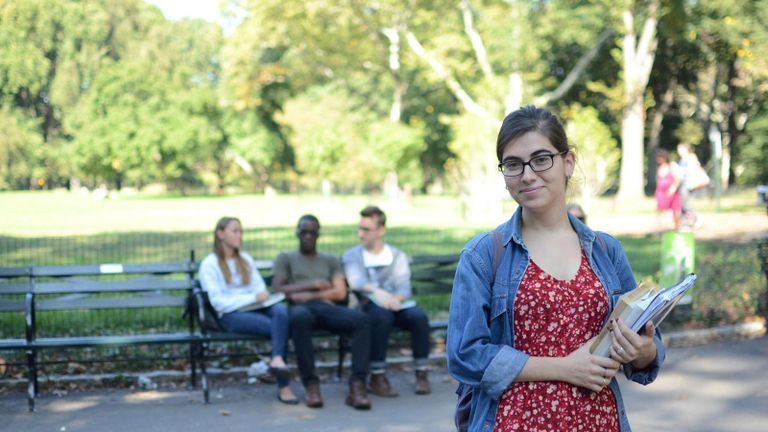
<point>570,163</point>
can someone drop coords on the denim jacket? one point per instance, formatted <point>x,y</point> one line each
<point>480,341</point>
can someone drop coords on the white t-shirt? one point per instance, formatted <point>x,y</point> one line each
<point>382,259</point>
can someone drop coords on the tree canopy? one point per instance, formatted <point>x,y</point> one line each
<point>356,93</point>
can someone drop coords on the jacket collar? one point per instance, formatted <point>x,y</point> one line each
<point>512,230</point>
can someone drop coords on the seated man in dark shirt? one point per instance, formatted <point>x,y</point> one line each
<point>313,283</point>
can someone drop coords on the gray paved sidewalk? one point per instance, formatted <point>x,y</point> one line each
<point>716,387</point>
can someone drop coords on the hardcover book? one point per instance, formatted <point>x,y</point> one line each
<point>641,305</point>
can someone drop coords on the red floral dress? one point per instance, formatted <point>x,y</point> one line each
<point>552,319</point>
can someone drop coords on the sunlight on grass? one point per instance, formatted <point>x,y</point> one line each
<point>62,213</point>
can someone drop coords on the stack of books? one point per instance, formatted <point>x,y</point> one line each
<point>641,305</point>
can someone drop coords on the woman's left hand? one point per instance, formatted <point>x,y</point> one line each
<point>261,296</point>
<point>628,346</point>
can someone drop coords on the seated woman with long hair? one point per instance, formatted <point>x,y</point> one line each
<point>231,280</point>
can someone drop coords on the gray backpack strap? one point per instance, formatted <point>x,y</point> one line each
<point>498,250</point>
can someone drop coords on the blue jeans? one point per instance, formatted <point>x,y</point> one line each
<point>412,319</point>
<point>271,321</point>
<point>312,315</point>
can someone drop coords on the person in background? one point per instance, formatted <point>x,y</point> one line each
<point>692,178</point>
<point>381,276</point>
<point>668,187</point>
<point>231,280</point>
<point>577,211</point>
<point>315,287</point>
<point>530,297</point>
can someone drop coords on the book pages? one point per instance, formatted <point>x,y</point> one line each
<point>272,300</point>
<point>641,305</point>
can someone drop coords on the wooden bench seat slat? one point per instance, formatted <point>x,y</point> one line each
<point>84,341</point>
<point>13,344</point>
<point>110,303</point>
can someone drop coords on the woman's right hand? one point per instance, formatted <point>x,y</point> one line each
<point>589,371</point>
<point>261,296</point>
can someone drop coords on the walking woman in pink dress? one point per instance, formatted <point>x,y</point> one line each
<point>667,185</point>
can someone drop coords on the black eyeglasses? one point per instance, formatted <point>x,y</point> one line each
<point>538,163</point>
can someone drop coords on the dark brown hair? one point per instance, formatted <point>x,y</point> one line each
<point>531,119</point>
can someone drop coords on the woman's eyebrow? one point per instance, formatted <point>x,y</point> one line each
<point>534,154</point>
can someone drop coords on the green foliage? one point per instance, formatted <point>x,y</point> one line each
<point>337,139</point>
<point>753,165</point>
<point>20,147</point>
<point>110,92</point>
<point>597,152</point>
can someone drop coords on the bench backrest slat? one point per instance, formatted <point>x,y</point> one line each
<point>11,305</point>
<point>11,272</point>
<point>101,269</point>
<point>15,288</point>
<point>93,286</point>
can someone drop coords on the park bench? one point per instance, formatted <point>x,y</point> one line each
<point>430,275</point>
<point>46,295</point>
<point>37,295</point>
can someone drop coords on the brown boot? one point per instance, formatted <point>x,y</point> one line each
<point>312,396</point>
<point>358,397</point>
<point>379,385</point>
<point>422,383</point>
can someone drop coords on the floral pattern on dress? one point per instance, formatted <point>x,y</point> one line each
<point>552,319</point>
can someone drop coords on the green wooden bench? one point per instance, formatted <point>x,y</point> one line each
<point>56,290</point>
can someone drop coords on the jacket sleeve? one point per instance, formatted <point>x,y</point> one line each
<point>354,268</point>
<point>627,280</point>
<point>401,275</point>
<point>473,358</point>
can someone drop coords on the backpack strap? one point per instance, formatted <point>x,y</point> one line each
<point>601,241</point>
<point>498,250</point>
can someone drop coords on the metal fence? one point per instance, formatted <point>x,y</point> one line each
<point>264,243</point>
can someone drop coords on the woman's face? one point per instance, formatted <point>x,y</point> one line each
<point>537,189</point>
<point>231,236</point>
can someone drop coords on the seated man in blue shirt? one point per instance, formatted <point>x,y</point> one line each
<point>381,277</point>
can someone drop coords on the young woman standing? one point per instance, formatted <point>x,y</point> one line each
<point>530,297</point>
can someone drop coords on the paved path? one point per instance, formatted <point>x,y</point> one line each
<point>720,387</point>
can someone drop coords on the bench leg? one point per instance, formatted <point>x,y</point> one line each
<point>193,348</point>
<point>31,379</point>
<point>203,373</point>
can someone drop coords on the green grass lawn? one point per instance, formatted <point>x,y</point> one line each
<point>48,228</point>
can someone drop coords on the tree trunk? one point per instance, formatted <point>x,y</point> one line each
<point>638,61</point>
<point>631,185</point>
